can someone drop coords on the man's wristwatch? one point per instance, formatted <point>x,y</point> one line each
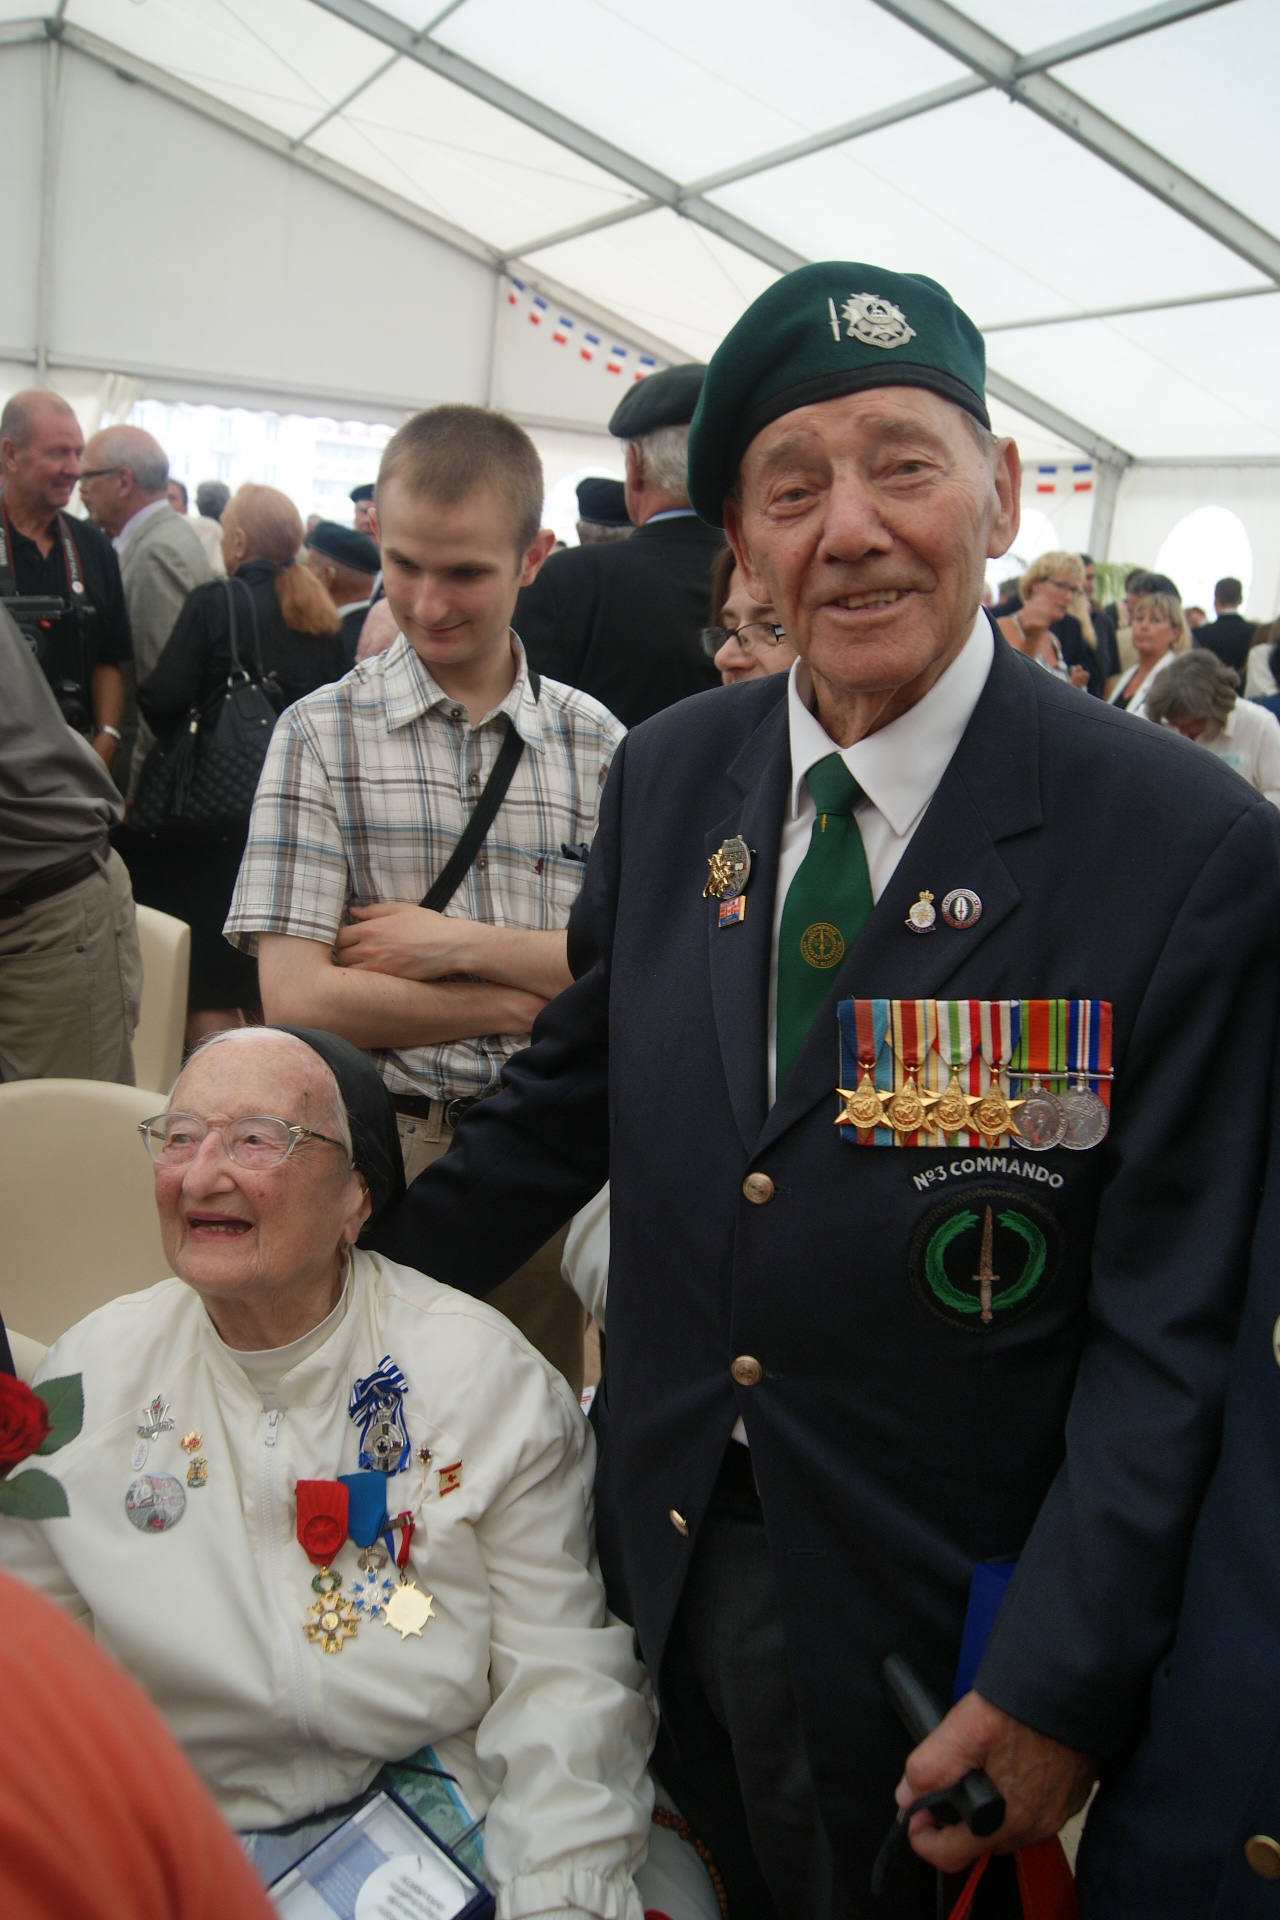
<point>115,732</point>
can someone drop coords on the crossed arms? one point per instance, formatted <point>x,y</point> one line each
<point>403,976</point>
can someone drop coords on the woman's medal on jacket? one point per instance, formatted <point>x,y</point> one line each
<point>377,1407</point>
<point>322,1532</point>
<point>154,1502</point>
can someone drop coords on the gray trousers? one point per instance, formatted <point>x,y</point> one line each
<point>71,983</point>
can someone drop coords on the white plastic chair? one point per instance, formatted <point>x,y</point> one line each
<point>166,963</point>
<point>77,1197</point>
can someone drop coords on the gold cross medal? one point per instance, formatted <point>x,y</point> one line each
<point>730,870</point>
<point>331,1619</point>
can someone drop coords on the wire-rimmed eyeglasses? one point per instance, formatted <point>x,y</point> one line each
<point>753,633</point>
<point>256,1140</point>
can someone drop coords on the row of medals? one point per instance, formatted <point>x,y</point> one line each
<point>155,1503</point>
<point>1038,1119</point>
<point>333,1618</point>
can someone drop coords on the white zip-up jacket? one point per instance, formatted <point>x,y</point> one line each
<point>522,1681</point>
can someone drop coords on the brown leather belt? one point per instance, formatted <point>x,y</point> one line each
<point>47,883</point>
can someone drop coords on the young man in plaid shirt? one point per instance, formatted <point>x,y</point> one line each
<point>369,784</point>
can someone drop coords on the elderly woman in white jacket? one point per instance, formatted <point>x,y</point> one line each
<point>298,1630</point>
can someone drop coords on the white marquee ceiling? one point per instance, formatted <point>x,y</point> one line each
<point>1099,187</point>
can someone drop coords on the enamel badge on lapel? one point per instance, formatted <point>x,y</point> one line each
<point>921,918</point>
<point>730,868</point>
<point>961,908</point>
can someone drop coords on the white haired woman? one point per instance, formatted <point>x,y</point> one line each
<point>1196,696</point>
<point>1160,632</point>
<point>329,1512</point>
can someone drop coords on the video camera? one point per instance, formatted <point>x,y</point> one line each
<point>60,634</point>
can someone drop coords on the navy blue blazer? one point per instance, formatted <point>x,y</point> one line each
<point>1166,1839</point>
<point>893,1447</point>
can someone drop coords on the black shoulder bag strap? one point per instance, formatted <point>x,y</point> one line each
<point>237,664</point>
<point>456,867</point>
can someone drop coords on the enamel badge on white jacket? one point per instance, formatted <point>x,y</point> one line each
<point>525,1685</point>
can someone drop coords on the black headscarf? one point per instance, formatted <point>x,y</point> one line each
<point>375,1143</point>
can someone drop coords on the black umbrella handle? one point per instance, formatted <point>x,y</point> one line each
<point>973,1799</point>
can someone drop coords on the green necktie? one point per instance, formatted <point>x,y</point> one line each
<point>826,906</point>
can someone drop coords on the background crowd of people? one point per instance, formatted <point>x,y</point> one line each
<point>295,739</point>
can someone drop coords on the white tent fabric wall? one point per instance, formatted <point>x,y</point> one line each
<point>320,206</point>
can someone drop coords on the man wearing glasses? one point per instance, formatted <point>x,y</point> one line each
<point>48,553</point>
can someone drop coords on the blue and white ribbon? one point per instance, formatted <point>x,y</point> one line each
<point>377,1404</point>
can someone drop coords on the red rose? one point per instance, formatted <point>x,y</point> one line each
<point>322,1518</point>
<point>24,1421</point>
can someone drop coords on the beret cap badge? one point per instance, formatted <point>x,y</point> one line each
<point>876,322</point>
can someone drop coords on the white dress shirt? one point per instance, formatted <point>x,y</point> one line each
<point>897,768</point>
<point>130,527</point>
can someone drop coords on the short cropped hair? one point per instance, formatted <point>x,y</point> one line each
<point>1228,592</point>
<point>17,422</point>
<point>449,452</point>
<point>140,453</point>
<point>1196,686</point>
<point>663,458</point>
<point>211,499</point>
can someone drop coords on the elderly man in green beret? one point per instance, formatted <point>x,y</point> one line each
<point>934,1111</point>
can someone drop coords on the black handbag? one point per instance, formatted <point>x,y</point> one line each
<point>206,773</point>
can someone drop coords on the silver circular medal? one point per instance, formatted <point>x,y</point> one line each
<point>155,1502</point>
<point>1088,1120</point>
<point>1039,1123</point>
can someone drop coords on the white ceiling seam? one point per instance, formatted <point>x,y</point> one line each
<point>1070,114</point>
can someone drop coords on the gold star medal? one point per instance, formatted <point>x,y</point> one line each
<point>864,1107</point>
<point>1000,1023</point>
<point>908,1110</point>
<point>954,1040</point>
<point>409,1609</point>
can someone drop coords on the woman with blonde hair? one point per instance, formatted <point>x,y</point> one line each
<point>1052,593</point>
<point>1160,632</point>
<point>288,638</point>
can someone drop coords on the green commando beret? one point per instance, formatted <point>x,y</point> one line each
<point>829,329</point>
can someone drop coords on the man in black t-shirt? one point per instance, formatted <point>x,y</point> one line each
<point>50,552</point>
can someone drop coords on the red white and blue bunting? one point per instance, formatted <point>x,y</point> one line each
<point>580,340</point>
<point>1062,476</point>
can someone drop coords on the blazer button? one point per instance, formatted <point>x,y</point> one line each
<point>758,1188</point>
<point>681,1526</point>
<point>1263,1855</point>
<point>746,1371</point>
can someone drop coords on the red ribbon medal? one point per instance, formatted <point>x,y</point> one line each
<point>322,1519</point>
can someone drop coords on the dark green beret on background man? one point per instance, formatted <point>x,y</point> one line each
<point>623,620</point>
<point>934,1111</point>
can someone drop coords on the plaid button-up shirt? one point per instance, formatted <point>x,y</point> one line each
<point>366,789</point>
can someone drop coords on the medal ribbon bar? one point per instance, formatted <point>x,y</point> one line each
<point>947,1047</point>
